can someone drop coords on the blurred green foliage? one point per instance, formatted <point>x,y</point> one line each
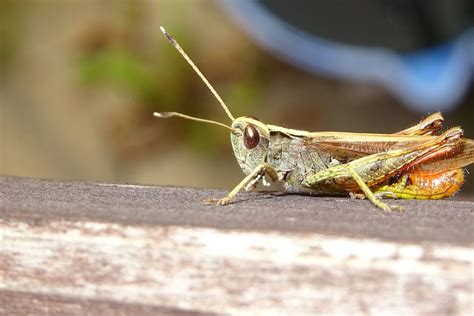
<point>10,29</point>
<point>156,78</point>
<point>121,69</point>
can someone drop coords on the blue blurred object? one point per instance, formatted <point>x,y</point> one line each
<point>425,79</point>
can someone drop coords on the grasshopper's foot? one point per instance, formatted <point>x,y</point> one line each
<point>389,208</point>
<point>224,201</point>
<point>357,196</point>
<point>385,195</point>
<point>376,200</point>
<point>396,208</point>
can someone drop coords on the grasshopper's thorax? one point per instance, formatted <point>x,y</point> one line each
<point>250,140</point>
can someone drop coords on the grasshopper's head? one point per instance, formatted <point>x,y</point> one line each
<point>250,139</point>
<point>249,136</point>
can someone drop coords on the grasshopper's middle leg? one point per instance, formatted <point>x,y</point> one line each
<point>256,174</point>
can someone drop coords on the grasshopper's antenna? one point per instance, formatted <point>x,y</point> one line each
<point>171,114</point>
<point>196,69</point>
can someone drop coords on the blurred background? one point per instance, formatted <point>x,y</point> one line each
<point>80,79</point>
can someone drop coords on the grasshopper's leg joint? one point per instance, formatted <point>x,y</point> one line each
<point>370,195</point>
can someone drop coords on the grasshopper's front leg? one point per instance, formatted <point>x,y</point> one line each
<point>259,172</point>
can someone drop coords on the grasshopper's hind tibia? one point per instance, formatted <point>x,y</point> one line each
<point>369,194</point>
<point>258,173</point>
<point>369,171</point>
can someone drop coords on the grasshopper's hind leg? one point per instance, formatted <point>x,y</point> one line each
<point>347,176</point>
<point>371,170</point>
<point>258,173</point>
<point>369,194</point>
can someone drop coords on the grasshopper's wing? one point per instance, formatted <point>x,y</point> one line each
<point>359,144</point>
<point>461,156</point>
<point>427,126</point>
<point>349,146</point>
<point>355,146</point>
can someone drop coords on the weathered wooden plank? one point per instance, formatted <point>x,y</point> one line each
<point>35,201</point>
<point>25,303</point>
<point>202,269</point>
<point>63,255</point>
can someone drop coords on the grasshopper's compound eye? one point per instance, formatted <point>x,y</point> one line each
<point>251,137</point>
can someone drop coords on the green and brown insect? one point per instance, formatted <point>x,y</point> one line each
<point>414,163</point>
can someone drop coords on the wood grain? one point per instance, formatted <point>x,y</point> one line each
<point>75,260</point>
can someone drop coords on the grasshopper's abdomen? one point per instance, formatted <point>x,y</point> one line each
<point>424,185</point>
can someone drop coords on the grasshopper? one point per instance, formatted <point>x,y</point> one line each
<point>415,163</point>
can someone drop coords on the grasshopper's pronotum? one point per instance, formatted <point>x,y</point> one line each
<point>411,164</point>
